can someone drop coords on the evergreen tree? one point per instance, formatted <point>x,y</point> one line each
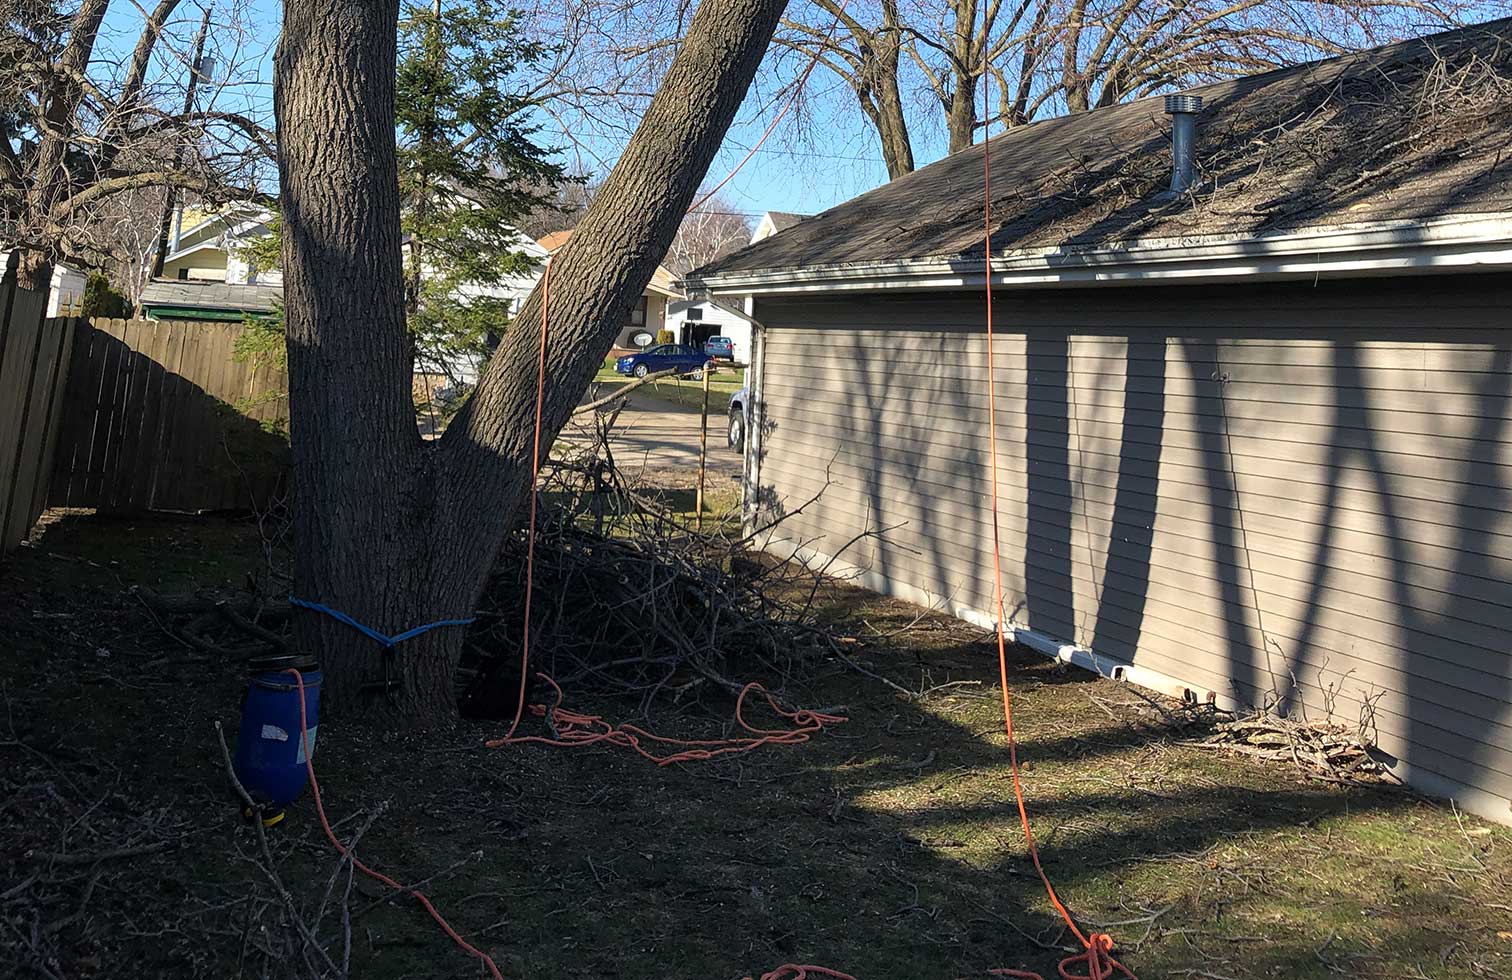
<point>469,174</point>
<point>103,299</point>
<point>467,164</point>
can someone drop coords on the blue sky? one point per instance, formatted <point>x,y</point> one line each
<point>819,157</point>
<point>835,161</point>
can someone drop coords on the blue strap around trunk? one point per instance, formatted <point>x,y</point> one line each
<point>388,642</point>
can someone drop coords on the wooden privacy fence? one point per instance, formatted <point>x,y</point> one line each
<point>160,415</point>
<point>34,353</point>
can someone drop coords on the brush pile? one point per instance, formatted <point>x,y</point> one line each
<point>1317,749</point>
<point>629,599</point>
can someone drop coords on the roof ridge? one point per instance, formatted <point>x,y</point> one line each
<point>1097,176</point>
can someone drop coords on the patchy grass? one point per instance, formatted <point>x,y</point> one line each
<point>682,392</point>
<point>888,847</point>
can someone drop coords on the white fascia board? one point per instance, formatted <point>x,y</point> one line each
<point>1461,243</point>
<point>213,244</point>
<point>234,219</point>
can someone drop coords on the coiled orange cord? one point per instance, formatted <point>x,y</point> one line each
<point>574,729</point>
<point>795,971</point>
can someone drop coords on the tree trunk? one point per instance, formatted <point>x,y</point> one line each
<point>892,130</point>
<point>390,530</point>
<point>1073,80</point>
<point>892,125</point>
<point>362,517</point>
<point>960,108</point>
<point>960,114</point>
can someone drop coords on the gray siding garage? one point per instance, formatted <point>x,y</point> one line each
<point>1285,493</point>
<point>1254,431</point>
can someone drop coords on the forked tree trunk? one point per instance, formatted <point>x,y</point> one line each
<point>391,530</point>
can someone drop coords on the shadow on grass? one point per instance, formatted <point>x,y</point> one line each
<point>888,847</point>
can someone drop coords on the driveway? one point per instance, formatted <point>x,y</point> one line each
<point>658,443</point>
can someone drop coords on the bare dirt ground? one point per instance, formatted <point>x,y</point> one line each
<point>888,847</point>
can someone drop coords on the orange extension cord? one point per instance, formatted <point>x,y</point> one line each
<point>574,729</point>
<point>1098,956</point>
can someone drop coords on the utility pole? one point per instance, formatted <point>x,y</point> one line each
<point>170,204</point>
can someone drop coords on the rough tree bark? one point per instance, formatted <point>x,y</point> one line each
<point>966,67</point>
<point>394,531</point>
<point>882,101</point>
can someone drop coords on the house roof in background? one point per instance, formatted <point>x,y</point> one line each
<point>783,220</point>
<point>661,280</point>
<point>217,296</point>
<point>551,241</point>
<point>234,216</point>
<point>1406,132</point>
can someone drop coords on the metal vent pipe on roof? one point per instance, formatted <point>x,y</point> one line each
<point>1183,111</point>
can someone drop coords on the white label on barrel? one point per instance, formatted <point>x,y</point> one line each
<point>274,733</point>
<point>309,740</point>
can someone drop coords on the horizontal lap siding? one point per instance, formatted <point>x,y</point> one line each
<point>1292,491</point>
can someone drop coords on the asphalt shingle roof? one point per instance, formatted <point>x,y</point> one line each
<point>783,220</point>
<point>1408,131</point>
<point>211,295</point>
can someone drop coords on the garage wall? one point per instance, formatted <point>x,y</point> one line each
<point>1292,493</point>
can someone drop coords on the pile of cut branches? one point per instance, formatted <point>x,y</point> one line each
<point>1318,749</point>
<point>630,599</point>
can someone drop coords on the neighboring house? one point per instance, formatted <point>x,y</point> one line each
<point>1254,442</point>
<point>774,221</point>
<point>205,278</point>
<point>695,321</point>
<point>204,246</point>
<point>692,321</point>
<point>65,297</point>
<point>649,315</point>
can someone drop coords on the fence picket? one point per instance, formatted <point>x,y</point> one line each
<point>160,434</point>
<point>128,416</point>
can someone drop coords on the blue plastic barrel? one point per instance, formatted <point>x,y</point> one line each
<point>270,755</point>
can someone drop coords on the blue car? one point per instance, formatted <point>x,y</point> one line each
<point>720,347</point>
<point>662,357</point>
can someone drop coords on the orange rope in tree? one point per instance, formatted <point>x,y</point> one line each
<point>797,91</point>
<point>530,529</point>
<point>1098,955</point>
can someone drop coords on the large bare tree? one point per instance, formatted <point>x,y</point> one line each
<point>710,231</point>
<point>392,530</point>
<point>78,128</point>
<point>1053,56</point>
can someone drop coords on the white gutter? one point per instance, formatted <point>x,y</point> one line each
<point>1481,242</point>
